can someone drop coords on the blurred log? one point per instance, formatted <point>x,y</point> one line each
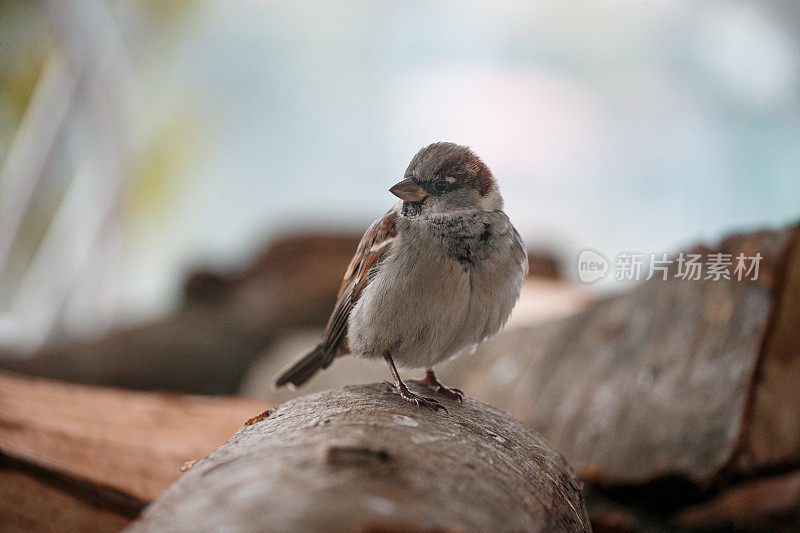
<point>361,459</point>
<point>771,424</point>
<point>543,265</point>
<point>224,323</point>
<point>768,504</point>
<point>676,386</point>
<point>97,452</point>
<point>34,499</point>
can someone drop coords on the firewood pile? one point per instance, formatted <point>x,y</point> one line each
<point>80,458</point>
<point>676,404</point>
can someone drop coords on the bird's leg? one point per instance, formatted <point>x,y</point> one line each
<point>400,388</point>
<point>432,382</point>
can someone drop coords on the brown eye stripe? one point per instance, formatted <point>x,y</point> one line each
<point>470,171</point>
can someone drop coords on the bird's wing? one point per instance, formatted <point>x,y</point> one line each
<point>371,250</point>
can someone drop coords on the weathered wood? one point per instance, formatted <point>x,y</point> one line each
<point>130,441</point>
<point>361,459</point>
<point>771,422</point>
<point>657,382</point>
<point>28,505</point>
<point>771,503</point>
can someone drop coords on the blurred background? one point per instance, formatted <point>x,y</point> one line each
<point>142,140</point>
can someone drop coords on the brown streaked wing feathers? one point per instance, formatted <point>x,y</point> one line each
<point>371,250</point>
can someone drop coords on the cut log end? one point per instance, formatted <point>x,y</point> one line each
<point>359,459</point>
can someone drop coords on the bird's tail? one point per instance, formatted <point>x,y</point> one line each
<point>302,370</point>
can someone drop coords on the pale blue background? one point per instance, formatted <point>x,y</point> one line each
<point>614,125</point>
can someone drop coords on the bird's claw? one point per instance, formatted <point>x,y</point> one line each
<point>452,393</point>
<point>416,399</point>
<point>437,387</point>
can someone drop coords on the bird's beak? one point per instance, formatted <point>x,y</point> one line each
<point>408,191</point>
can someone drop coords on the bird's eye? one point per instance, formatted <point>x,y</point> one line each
<point>440,186</point>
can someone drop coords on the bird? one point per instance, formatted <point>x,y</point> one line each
<point>430,280</point>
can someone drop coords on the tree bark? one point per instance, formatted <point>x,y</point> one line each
<point>361,459</point>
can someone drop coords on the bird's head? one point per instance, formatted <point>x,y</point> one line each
<point>445,177</point>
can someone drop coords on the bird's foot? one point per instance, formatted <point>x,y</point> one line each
<point>409,396</point>
<point>432,382</point>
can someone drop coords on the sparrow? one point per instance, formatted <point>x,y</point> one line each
<point>431,279</point>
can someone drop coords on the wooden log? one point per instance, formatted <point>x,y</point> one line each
<point>770,503</point>
<point>361,459</point>
<point>689,379</point>
<point>770,435</point>
<point>29,504</point>
<point>79,458</point>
